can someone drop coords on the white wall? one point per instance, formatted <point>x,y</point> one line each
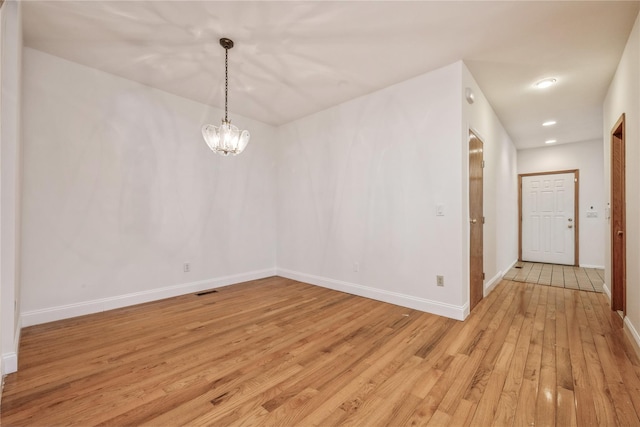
<point>588,158</point>
<point>117,201</point>
<point>500,189</point>
<point>120,190</point>
<point>359,183</point>
<point>624,97</point>
<point>10,184</point>
<point>358,186</point>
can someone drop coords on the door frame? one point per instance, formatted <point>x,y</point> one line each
<point>476,278</point>
<point>576,210</point>
<point>619,290</point>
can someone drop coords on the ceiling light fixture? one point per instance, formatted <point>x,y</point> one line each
<point>225,139</point>
<point>550,141</point>
<point>542,84</point>
<point>549,123</point>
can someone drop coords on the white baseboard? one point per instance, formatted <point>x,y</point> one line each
<point>628,326</point>
<point>416,303</point>
<point>9,363</point>
<point>601,267</point>
<point>36,317</point>
<point>9,360</point>
<point>491,283</point>
<point>633,333</point>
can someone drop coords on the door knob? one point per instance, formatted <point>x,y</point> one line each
<point>473,221</point>
<point>620,233</point>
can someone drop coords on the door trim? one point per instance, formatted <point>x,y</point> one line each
<point>619,291</point>
<point>576,210</point>
<point>476,267</point>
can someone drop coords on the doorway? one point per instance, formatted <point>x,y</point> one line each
<point>618,220</point>
<point>549,221</point>
<point>476,220</point>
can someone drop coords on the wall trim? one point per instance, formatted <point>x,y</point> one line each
<point>601,267</point>
<point>9,363</point>
<point>51,314</point>
<point>633,334</point>
<point>9,360</point>
<point>493,282</point>
<point>409,301</point>
<point>607,291</point>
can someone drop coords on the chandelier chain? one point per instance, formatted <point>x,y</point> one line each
<point>226,81</point>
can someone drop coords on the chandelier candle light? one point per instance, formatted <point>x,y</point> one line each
<point>225,139</point>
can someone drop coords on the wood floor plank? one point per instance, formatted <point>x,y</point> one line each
<point>280,352</point>
<point>613,371</point>
<point>566,413</point>
<point>508,400</point>
<point>547,388</point>
<point>490,377</point>
<point>600,390</point>
<point>525,411</point>
<point>488,339</point>
<point>565,398</point>
<point>586,414</point>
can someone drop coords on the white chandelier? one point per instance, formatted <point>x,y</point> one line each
<point>225,139</point>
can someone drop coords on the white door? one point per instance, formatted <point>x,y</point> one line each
<point>548,223</point>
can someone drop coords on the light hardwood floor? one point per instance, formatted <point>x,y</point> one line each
<point>280,352</point>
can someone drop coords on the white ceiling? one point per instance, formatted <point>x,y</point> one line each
<point>294,58</point>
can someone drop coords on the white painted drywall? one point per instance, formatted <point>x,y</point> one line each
<point>120,190</point>
<point>623,96</point>
<point>500,190</point>
<point>358,186</point>
<point>586,156</point>
<point>10,183</point>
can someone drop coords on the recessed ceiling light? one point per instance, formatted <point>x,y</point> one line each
<point>549,123</point>
<point>545,83</point>
<point>550,141</point>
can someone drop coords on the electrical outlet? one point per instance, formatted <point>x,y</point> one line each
<point>186,267</point>
<point>440,280</point>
